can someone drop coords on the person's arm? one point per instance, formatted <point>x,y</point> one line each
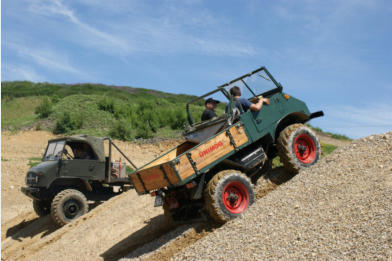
<point>257,106</point>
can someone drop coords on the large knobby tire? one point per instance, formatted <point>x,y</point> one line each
<point>41,207</point>
<point>67,206</point>
<point>298,147</point>
<point>227,195</point>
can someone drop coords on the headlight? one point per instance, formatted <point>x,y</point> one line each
<point>32,178</point>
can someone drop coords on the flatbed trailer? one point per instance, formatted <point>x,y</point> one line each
<point>183,163</point>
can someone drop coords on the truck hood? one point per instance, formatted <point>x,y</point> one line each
<point>44,167</point>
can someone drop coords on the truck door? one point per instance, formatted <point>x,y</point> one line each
<point>82,168</point>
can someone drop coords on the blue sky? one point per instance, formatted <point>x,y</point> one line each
<point>335,55</point>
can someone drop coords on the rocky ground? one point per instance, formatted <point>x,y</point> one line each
<point>339,209</point>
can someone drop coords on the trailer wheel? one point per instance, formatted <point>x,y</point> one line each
<point>228,195</point>
<point>298,147</point>
<point>67,206</point>
<point>41,207</point>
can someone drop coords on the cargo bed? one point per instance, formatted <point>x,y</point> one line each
<point>183,163</point>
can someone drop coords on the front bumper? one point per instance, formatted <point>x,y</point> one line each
<point>34,193</point>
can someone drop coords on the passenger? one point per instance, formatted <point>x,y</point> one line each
<point>209,112</point>
<point>235,91</point>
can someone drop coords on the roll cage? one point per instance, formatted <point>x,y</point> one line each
<point>242,80</point>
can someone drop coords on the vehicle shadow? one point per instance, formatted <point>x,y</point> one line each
<point>29,228</point>
<point>153,229</point>
<point>271,180</point>
<point>152,236</point>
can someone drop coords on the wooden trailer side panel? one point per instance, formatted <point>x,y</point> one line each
<point>211,151</point>
<point>171,173</point>
<point>154,178</point>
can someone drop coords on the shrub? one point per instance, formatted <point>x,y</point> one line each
<point>178,119</point>
<point>144,132</point>
<point>106,104</point>
<point>45,108</point>
<point>122,130</point>
<point>67,123</point>
<point>55,99</point>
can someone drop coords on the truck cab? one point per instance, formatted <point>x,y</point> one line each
<point>74,170</point>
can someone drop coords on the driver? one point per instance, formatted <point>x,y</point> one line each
<point>84,152</point>
<point>235,91</point>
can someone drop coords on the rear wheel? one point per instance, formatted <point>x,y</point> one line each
<point>41,207</point>
<point>298,147</point>
<point>228,195</point>
<point>68,205</point>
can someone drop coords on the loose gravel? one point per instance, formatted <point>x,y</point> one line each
<point>339,209</point>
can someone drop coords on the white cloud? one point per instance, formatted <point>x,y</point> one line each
<point>20,73</point>
<point>45,57</point>
<point>135,28</point>
<point>91,34</point>
<point>356,121</point>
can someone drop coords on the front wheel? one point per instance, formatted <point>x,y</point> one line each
<point>298,147</point>
<point>228,194</point>
<point>67,206</point>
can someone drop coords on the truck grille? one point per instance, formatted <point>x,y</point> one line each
<point>32,178</point>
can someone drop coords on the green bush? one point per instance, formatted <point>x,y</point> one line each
<point>106,104</point>
<point>122,130</point>
<point>178,119</point>
<point>45,108</point>
<point>144,132</point>
<point>68,123</point>
<point>340,137</point>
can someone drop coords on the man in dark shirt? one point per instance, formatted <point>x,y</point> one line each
<point>209,112</point>
<point>235,91</point>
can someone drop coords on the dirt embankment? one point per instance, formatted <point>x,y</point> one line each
<point>305,215</point>
<point>24,234</point>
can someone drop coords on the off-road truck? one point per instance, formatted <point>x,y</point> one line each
<point>212,171</point>
<point>73,171</point>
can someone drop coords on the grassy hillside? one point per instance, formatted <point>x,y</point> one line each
<point>121,112</point>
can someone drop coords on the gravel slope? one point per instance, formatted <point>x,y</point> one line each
<point>339,209</point>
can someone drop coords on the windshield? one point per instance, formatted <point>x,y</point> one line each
<point>253,85</point>
<point>54,150</point>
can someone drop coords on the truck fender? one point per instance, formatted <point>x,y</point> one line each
<point>71,182</point>
<point>291,118</point>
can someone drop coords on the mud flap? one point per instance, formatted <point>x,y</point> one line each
<point>158,201</point>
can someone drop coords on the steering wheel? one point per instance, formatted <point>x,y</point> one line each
<point>67,155</point>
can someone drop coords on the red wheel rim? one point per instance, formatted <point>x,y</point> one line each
<point>305,148</point>
<point>235,197</point>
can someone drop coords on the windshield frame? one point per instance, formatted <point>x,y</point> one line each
<point>222,88</point>
<point>241,79</point>
<point>57,149</point>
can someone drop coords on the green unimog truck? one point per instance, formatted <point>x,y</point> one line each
<point>73,171</point>
<point>213,171</point>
